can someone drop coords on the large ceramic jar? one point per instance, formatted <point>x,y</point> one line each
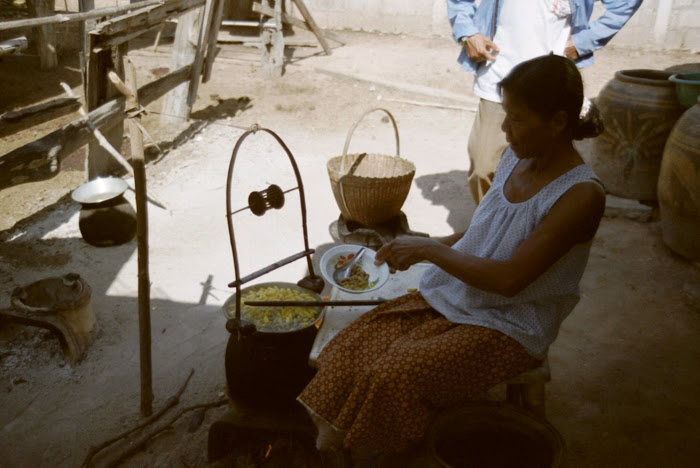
<point>639,110</point>
<point>679,186</point>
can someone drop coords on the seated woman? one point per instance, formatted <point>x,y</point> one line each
<point>492,303</point>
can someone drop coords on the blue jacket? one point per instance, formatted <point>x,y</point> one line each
<point>468,19</point>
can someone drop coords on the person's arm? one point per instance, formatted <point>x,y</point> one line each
<point>573,219</point>
<point>598,33</point>
<point>460,13</point>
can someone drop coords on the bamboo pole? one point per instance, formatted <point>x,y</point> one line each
<point>130,92</point>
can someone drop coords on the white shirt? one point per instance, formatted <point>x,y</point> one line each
<point>525,29</point>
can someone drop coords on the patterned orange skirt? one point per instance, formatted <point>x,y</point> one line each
<point>381,380</point>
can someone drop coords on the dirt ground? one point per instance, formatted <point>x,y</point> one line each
<point>624,368</point>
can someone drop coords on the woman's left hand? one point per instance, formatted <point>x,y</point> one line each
<point>403,252</point>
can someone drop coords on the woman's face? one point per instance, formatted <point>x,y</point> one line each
<point>526,131</point>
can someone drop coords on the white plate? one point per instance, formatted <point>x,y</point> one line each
<point>378,275</point>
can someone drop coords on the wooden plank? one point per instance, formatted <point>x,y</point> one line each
<point>198,61</point>
<point>211,41</point>
<point>272,46</point>
<point>17,121</point>
<point>73,17</point>
<point>144,18</point>
<point>175,109</point>
<point>41,159</point>
<point>98,90</point>
<point>265,10</point>
<point>255,41</point>
<point>110,42</point>
<point>46,36</point>
<point>125,28</point>
<point>312,24</point>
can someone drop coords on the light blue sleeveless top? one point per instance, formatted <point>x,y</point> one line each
<point>533,316</point>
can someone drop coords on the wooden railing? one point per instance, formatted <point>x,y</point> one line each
<point>106,44</point>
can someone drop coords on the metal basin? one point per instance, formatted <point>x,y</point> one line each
<point>99,190</point>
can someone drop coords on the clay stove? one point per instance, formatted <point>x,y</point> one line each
<point>62,305</point>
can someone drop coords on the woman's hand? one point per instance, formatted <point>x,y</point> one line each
<point>403,252</point>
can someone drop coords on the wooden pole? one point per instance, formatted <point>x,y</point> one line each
<point>97,92</point>
<point>211,41</point>
<point>272,45</point>
<point>46,36</point>
<point>312,25</point>
<point>198,61</point>
<point>130,92</point>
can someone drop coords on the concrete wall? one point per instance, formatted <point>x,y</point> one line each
<point>658,24</point>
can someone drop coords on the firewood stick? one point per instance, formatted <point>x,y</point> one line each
<point>170,402</point>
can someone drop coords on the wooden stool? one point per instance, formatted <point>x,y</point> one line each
<point>527,389</point>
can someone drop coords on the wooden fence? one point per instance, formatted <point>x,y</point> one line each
<point>105,46</point>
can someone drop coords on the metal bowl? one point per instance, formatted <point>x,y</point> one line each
<point>99,190</point>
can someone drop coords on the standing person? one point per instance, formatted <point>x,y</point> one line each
<point>499,34</point>
<point>492,303</point>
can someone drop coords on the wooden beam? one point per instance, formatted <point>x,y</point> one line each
<point>151,15</point>
<point>272,45</point>
<point>255,41</point>
<point>198,61</point>
<point>41,159</point>
<point>265,10</point>
<point>211,41</point>
<point>16,121</point>
<point>45,35</point>
<point>73,17</point>
<point>98,90</point>
<point>175,109</point>
<point>137,22</point>
<point>312,24</point>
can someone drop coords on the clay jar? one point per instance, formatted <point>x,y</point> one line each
<point>108,223</point>
<point>639,110</point>
<point>679,186</point>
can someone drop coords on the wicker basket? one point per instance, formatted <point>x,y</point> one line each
<point>370,188</point>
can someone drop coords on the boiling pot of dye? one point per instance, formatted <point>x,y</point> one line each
<point>268,366</point>
<point>106,217</point>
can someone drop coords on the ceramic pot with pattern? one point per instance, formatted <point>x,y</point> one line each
<point>679,186</point>
<point>639,109</point>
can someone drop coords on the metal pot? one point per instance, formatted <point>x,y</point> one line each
<point>106,217</point>
<point>267,369</point>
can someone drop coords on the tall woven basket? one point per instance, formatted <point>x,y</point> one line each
<point>370,188</point>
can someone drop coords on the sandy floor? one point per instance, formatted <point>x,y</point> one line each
<point>624,368</point>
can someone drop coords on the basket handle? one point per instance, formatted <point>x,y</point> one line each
<point>352,130</point>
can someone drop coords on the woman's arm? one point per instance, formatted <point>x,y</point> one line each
<point>573,219</point>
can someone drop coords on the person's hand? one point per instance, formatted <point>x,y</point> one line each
<point>570,49</point>
<point>403,252</point>
<point>480,48</point>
